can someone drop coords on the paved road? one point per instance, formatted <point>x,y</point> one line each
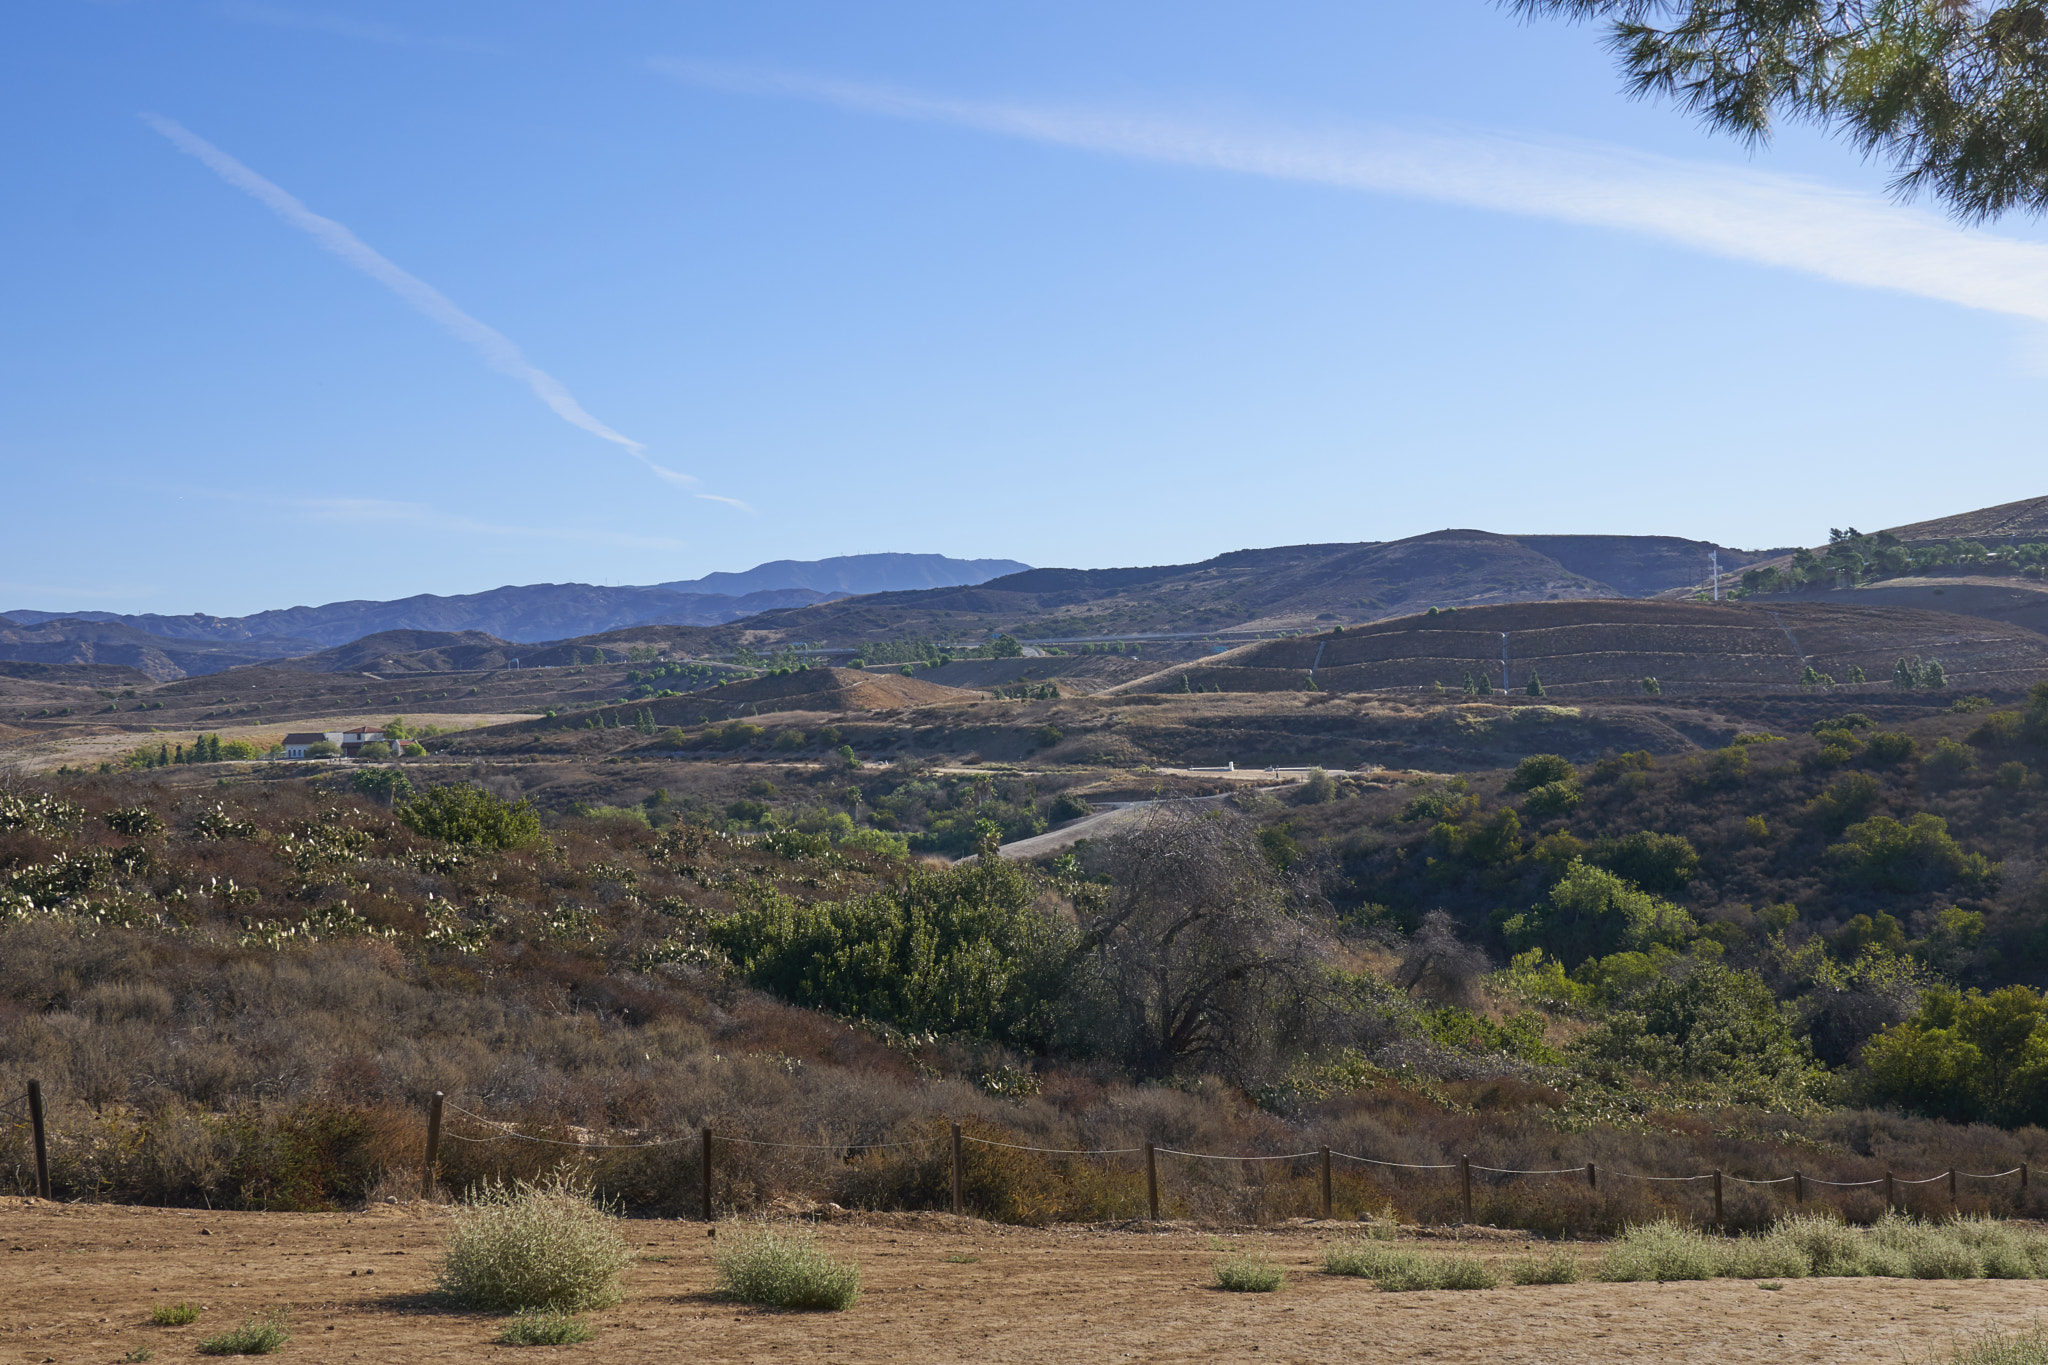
<point>1094,826</point>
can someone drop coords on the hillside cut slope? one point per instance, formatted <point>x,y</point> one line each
<point>1610,647</point>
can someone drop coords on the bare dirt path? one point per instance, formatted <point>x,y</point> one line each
<point>80,1281</point>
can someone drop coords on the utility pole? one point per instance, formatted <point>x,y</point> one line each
<point>1715,557</point>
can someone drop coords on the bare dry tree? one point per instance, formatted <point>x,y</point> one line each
<point>1201,953</point>
<point>1439,966</point>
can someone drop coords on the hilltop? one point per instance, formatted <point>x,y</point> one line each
<point>1252,591</point>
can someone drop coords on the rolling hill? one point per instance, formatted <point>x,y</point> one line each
<point>1286,588</point>
<point>1608,648</point>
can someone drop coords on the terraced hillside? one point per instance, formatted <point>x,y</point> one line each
<point>1610,647</point>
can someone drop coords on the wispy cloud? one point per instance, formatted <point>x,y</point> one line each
<point>339,26</point>
<point>372,510</point>
<point>494,346</point>
<point>729,502</point>
<point>1784,221</point>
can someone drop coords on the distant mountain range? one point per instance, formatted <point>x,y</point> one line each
<point>554,611</point>
<point>1290,587</point>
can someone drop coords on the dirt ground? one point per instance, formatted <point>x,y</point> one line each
<point>44,752</point>
<point>80,1281</point>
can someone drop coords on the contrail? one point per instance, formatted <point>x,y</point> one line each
<point>494,346</point>
<point>1785,221</point>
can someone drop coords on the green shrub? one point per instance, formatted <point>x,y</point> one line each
<point>1538,770</point>
<point>1559,1267</point>
<point>1248,1274</point>
<point>1661,864</point>
<point>1397,1270</point>
<point>180,1314</point>
<point>784,1270</point>
<point>543,1246</point>
<point>1661,1252</point>
<point>462,814</point>
<point>1831,1247</point>
<point>544,1329</point>
<point>1772,1256</point>
<point>255,1337</point>
<point>1552,798</point>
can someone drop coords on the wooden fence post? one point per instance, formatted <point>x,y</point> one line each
<point>1720,1220</point>
<point>1326,1182</point>
<point>2023,1179</point>
<point>432,1165</point>
<point>1798,1187</point>
<point>705,1154</point>
<point>1951,1184</point>
<point>35,1119</point>
<point>1465,1181</point>
<point>1592,1176</point>
<point>1152,1180</point>
<point>956,1170</point>
<point>1890,1194</point>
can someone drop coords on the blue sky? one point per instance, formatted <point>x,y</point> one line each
<point>308,303</point>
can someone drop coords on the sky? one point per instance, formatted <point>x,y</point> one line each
<point>313,303</point>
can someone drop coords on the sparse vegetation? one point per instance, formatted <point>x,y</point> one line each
<point>255,1337</point>
<point>783,1270</point>
<point>1247,1273</point>
<point>533,1246</point>
<point>180,1314</point>
<point>544,1329</point>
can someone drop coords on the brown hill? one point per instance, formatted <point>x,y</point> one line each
<point>2025,520</point>
<point>1253,591</point>
<point>809,689</point>
<point>1609,647</point>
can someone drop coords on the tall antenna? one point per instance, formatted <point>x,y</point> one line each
<point>1715,556</point>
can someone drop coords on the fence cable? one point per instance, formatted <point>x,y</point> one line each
<point>1397,1165</point>
<point>18,1099</point>
<point>825,1146</point>
<point>509,1131</point>
<point>506,1131</point>
<point>1057,1151</point>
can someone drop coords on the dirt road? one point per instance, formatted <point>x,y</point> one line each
<point>81,1281</point>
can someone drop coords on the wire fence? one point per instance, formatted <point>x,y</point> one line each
<point>1589,1173</point>
<point>706,1139</point>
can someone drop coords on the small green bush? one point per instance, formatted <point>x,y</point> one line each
<point>1397,1270</point>
<point>1538,770</point>
<point>1831,1247</point>
<point>1775,1255</point>
<point>1248,1274</point>
<point>1560,1267</point>
<point>255,1337</point>
<point>544,1329</point>
<point>180,1314</point>
<point>531,1247</point>
<point>1660,1252</point>
<point>784,1270</point>
<point>462,814</point>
